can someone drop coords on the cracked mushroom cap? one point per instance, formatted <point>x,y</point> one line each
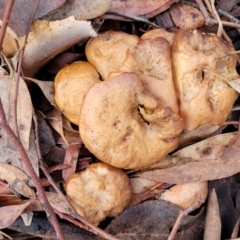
<point>111,53</point>
<point>123,125</point>
<point>153,58</point>
<point>99,191</point>
<point>71,85</point>
<point>198,59</point>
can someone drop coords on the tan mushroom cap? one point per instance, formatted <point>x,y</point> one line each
<point>71,85</point>
<point>204,97</point>
<point>159,32</point>
<point>154,60</point>
<point>111,53</point>
<point>99,191</point>
<point>122,124</point>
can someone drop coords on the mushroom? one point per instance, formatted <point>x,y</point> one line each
<point>153,58</point>
<point>200,61</point>
<point>99,191</point>
<point>71,85</point>
<point>111,53</point>
<point>123,125</point>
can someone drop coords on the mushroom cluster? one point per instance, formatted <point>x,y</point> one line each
<point>153,88</point>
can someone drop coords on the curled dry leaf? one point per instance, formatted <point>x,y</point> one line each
<point>9,214</point>
<point>46,40</point>
<point>137,8</point>
<point>80,9</point>
<point>17,180</point>
<point>206,160</point>
<point>192,51</point>
<point>185,16</point>
<point>123,125</point>
<point>46,87</point>
<point>185,195</point>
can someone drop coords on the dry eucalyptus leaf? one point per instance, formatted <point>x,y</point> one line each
<point>137,8</point>
<point>213,219</point>
<point>24,106</point>
<point>47,39</point>
<point>22,10</point>
<point>235,84</point>
<point>47,89</point>
<point>55,120</point>
<point>71,157</point>
<point>198,134</point>
<point>9,214</point>
<point>185,16</point>
<point>17,180</point>
<point>80,9</point>
<point>148,220</point>
<point>185,195</point>
<point>212,158</point>
<point>141,184</point>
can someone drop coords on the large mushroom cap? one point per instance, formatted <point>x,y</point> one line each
<point>111,53</point>
<point>153,58</point>
<point>122,124</point>
<point>99,191</point>
<point>203,96</point>
<point>71,85</point>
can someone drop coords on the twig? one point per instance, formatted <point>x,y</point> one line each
<point>181,216</point>
<point>87,225</point>
<point>138,19</point>
<point>5,20</point>
<point>229,16</point>
<point>215,13</point>
<point>27,163</point>
<point>208,19</point>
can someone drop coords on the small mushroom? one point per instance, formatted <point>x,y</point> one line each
<point>111,53</point>
<point>71,85</point>
<point>200,60</point>
<point>99,191</point>
<point>123,125</point>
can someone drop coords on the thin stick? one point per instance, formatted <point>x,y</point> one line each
<point>138,19</point>
<point>208,19</point>
<point>27,163</point>
<point>5,20</point>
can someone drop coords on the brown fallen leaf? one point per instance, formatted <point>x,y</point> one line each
<point>137,8</point>
<point>46,87</point>
<point>22,10</point>
<point>70,159</point>
<point>205,160</point>
<point>148,220</point>
<point>213,222</point>
<point>46,40</point>
<point>9,214</point>
<point>80,9</point>
<point>141,184</point>
<point>17,180</point>
<point>54,118</point>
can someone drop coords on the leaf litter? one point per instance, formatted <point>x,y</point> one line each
<point>204,154</point>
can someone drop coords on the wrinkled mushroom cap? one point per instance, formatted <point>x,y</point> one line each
<point>153,58</point>
<point>99,191</point>
<point>122,124</point>
<point>204,97</point>
<point>159,32</point>
<point>71,85</point>
<point>111,53</point>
